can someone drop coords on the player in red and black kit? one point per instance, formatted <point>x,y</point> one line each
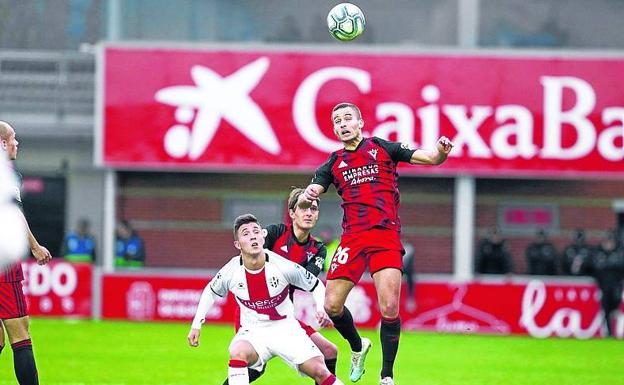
<point>295,242</point>
<point>364,174</point>
<point>13,309</point>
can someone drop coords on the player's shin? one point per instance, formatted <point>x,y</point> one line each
<point>389,334</point>
<point>237,373</point>
<point>331,364</point>
<point>253,375</point>
<point>24,363</point>
<point>345,326</point>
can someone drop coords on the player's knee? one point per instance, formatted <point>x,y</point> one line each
<point>389,309</point>
<point>239,353</point>
<point>319,372</point>
<point>333,309</point>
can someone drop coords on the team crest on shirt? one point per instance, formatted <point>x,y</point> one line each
<point>274,282</point>
<point>373,153</point>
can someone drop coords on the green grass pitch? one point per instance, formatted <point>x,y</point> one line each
<point>132,353</point>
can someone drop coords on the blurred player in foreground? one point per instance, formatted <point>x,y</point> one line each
<point>13,241</point>
<point>13,310</point>
<point>294,241</point>
<point>365,176</point>
<point>260,281</point>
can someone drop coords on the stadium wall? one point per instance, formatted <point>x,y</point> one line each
<point>185,223</point>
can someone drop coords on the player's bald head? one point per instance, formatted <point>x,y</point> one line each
<point>5,130</point>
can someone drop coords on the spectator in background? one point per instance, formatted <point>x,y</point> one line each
<point>541,256</point>
<point>493,255</point>
<point>79,245</point>
<point>576,257</point>
<point>130,247</point>
<point>408,271</point>
<point>607,268</point>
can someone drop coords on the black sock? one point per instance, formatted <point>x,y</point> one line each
<point>345,326</point>
<point>24,363</point>
<point>331,364</point>
<point>389,335</point>
<point>254,374</point>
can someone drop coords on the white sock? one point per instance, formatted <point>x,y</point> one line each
<point>238,375</point>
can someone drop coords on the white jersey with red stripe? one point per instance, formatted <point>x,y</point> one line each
<point>262,294</point>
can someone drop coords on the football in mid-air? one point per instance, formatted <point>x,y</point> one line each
<point>346,21</point>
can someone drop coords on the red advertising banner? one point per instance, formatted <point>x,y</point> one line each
<point>270,109</point>
<point>535,308</point>
<point>58,289</point>
<point>139,297</point>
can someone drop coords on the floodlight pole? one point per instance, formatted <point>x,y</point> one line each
<point>463,240</point>
<point>465,190</point>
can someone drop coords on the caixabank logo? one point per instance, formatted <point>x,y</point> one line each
<point>255,110</point>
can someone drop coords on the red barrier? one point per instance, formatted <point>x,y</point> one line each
<point>269,109</point>
<point>58,289</point>
<point>535,308</point>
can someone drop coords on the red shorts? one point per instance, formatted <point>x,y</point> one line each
<point>12,300</point>
<point>377,249</point>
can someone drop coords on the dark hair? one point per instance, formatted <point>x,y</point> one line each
<point>243,220</point>
<point>347,105</point>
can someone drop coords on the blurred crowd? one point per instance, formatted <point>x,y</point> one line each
<point>79,245</point>
<point>578,258</point>
<point>603,261</point>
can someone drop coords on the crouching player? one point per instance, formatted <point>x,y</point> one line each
<point>294,241</point>
<point>260,281</point>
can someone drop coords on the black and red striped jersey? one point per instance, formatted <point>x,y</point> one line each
<point>367,180</point>
<point>281,239</point>
<point>13,272</point>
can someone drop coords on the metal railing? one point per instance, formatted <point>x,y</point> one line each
<point>48,89</point>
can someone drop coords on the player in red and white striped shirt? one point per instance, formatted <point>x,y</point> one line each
<point>293,240</point>
<point>260,281</point>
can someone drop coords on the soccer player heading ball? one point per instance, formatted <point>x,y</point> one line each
<point>260,281</point>
<point>364,174</point>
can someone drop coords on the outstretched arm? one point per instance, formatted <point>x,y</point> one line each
<point>206,301</point>
<point>438,156</point>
